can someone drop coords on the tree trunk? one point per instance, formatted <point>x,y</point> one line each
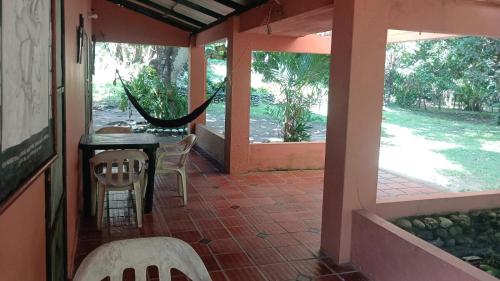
<point>119,52</point>
<point>179,63</point>
<point>138,55</point>
<point>163,62</point>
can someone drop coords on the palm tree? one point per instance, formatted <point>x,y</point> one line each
<point>302,79</point>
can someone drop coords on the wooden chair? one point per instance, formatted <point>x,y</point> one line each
<point>114,130</point>
<point>178,153</point>
<point>118,170</point>
<point>111,259</point>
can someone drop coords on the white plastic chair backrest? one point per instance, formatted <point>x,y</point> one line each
<point>126,163</point>
<point>114,130</point>
<point>111,259</point>
<point>187,143</point>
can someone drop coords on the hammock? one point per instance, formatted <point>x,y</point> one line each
<point>173,122</point>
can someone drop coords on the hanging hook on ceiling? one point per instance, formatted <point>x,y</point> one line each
<point>278,12</point>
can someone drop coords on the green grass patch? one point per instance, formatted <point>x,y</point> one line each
<point>470,132</point>
<point>263,111</point>
<point>216,109</point>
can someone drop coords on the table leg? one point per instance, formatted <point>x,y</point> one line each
<point>86,155</point>
<point>148,206</point>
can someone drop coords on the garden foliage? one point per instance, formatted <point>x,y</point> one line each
<point>302,79</point>
<point>157,98</point>
<point>460,73</point>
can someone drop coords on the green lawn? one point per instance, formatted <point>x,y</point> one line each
<point>216,108</point>
<point>466,144</point>
<point>259,111</point>
<point>454,149</point>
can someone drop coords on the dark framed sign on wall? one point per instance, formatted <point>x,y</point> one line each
<point>55,186</point>
<point>26,116</point>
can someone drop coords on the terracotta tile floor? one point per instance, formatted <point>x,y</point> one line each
<point>258,226</point>
<point>391,185</point>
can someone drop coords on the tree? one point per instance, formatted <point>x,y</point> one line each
<point>392,63</point>
<point>302,78</point>
<point>216,50</point>
<point>171,63</point>
<point>465,70</point>
<point>158,76</point>
<point>157,98</point>
<point>478,61</point>
<point>216,56</point>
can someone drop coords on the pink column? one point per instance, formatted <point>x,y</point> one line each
<point>239,61</point>
<point>197,81</point>
<point>354,119</point>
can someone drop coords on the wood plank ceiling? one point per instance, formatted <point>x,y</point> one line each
<point>190,15</point>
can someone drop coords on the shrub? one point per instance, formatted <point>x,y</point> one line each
<point>160,100</point>
<point>260,96</point>
<point>302,79</point>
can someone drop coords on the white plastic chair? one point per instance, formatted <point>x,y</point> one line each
<point>114,130</point>
<point>111,259</point>
<point>116,171</point>
<point>179,151</point>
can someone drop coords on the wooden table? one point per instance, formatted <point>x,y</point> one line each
<point>89,143</point>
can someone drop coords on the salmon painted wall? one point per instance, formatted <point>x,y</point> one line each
<point>211,142</point>
<point>237,125</point>
<point>117,24</point>
<point>215,33</point>
<point>23,252</point>
<point>383,251</point>
<point>390,208</point>
<point>291,17</point>
<point>443,16</point>
<point>75,118</point>
<point>22,236</point>
<point>286,156</point>
<point>266,156</point>
<point>312,44</point>
<point>197,82</point>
